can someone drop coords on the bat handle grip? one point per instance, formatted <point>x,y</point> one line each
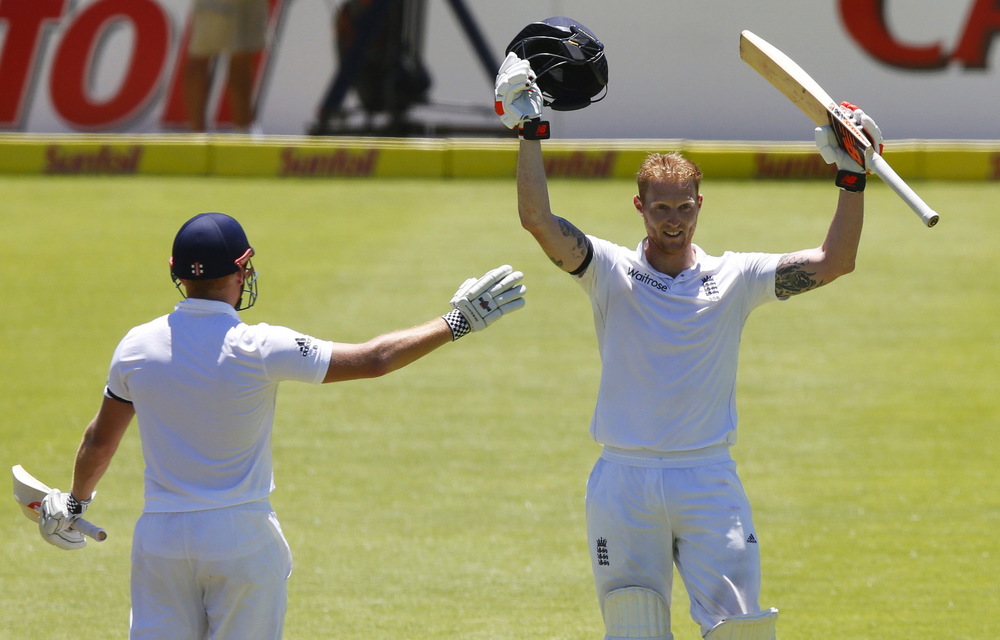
<point>881,168</point>
<point>90,530</point>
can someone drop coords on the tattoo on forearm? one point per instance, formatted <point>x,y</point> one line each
<point>791,278</point>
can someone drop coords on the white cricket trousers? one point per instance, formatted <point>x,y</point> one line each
<point>219,574</point>
<point>641,520</point>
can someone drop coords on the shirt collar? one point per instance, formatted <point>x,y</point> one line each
<point>701,261</point>
<point>201,306</point>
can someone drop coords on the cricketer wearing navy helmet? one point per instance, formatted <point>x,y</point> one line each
<point>208,555</point>
<point>210,246</point>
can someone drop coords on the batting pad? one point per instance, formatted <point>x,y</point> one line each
<point>752,626</point>
<point>636,612</point>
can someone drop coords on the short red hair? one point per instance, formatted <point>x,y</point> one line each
<point>669,167</point>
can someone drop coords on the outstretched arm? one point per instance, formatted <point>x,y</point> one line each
<point>477,304</point>
<point>386,353</point>
<point>562,242</point>
<point>519,105</point>
<point>806,270</point>
<point>811,268</point>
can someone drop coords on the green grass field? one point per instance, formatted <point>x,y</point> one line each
<point>446,500</point>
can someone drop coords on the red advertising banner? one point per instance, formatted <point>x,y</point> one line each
<point>925,69</point>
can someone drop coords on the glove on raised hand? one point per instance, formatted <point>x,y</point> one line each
<point>867,126</point>
<point>480,302</point>
<point>517,98</point>
<point>850,175</point>
<point>56,515</point>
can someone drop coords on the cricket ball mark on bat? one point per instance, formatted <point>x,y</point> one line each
<point>798,86</point>
<point>29,493</point>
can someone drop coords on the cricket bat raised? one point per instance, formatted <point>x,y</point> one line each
<point>805,93</point>
<point>29,493</point>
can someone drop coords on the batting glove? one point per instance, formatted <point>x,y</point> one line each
<point>851,176</point>
<point>516,96</point>
<point>867,126</point>
<point>480,302</point>
<point>56,516</point>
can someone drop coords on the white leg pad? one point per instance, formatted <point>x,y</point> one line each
<point>752,626</point>
<point>636,612</point>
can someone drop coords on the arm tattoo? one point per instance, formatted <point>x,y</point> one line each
<point>791,277</point>
<point>570,231</point>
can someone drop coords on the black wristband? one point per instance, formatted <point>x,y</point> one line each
<point>851,181</point>
<point>457,323</point>
<point>534,129</point>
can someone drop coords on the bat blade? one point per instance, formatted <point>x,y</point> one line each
<point>29,493</point>
<point>789,78</point>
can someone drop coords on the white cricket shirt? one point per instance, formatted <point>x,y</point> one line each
<point>669,346</point>
<point>203,384</point>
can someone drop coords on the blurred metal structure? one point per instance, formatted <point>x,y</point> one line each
<point>379,47</point>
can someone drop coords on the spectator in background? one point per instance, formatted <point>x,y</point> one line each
<point>237,28</point>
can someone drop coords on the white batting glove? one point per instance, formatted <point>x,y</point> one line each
<point>866,124</point>
<point>831,151</point>
<point>56,516</point>
<point>516,96</point>
<point>480,302</point>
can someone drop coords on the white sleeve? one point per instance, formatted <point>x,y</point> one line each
<point>117,387</point>
<point>601,259</point>
<point>291,355</point>
<point>759,271</point>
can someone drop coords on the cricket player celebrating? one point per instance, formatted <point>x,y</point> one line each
<point>668,318</point>
<point>209,559</point>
